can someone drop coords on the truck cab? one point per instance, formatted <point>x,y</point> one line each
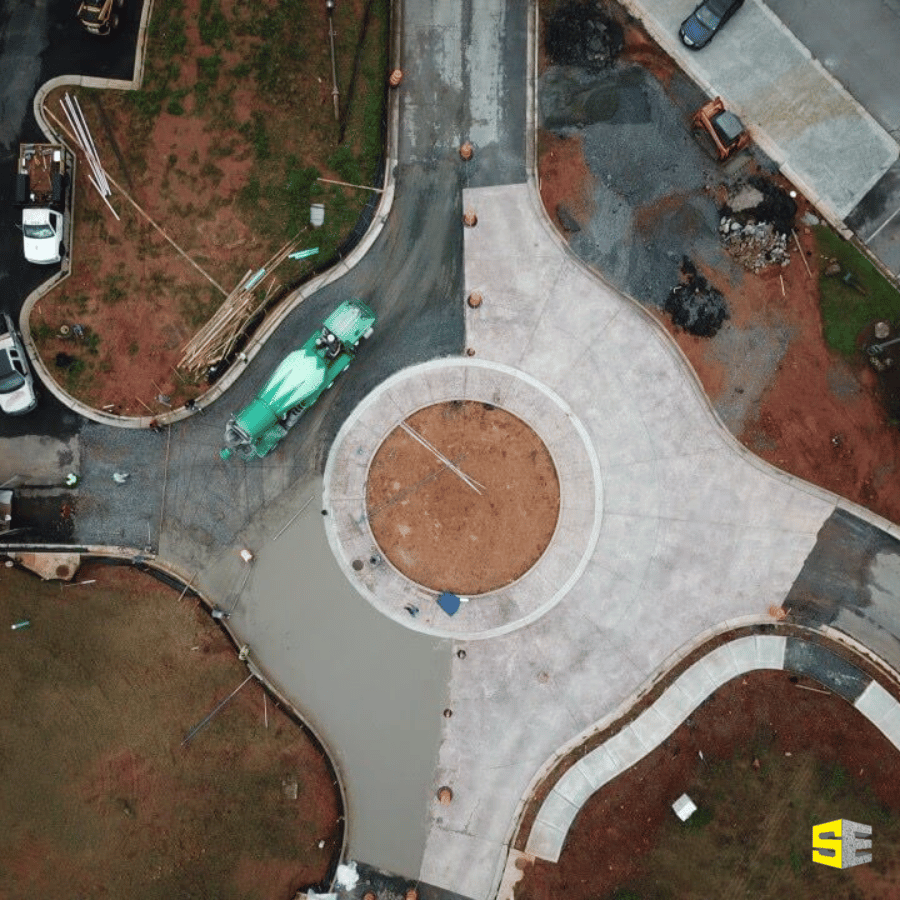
<point>42,232</point>
<point>99,17</point>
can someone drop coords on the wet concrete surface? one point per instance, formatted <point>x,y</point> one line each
<point>467,60</point>
<point>851,581</point>
<point>372,690</point>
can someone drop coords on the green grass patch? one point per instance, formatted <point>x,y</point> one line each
<point>113,289</point>
<point>212,24</point>
<point>757,841</point>
<point>853,299</point>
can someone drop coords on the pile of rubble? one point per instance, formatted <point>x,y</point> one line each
<point>694,304</point>
<point>756,222</point>
<point>578,34</point>
<point>755,245</point>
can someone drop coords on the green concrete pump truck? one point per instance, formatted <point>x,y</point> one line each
<point>301,378</point>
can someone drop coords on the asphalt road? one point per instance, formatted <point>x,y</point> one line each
<point>40,41</point>
<point>412,278</point>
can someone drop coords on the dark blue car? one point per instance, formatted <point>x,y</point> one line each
<point>698,29</point>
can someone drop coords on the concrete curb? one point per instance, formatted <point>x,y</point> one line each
<point>580,486</point>
<point>661,718</point>
<point>288,305</point>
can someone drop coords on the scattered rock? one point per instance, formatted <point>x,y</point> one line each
<point>755,245</point>
<point>756,222</point>
<point>566,218</point>
<point>809,219</point>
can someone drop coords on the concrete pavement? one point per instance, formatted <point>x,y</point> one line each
<point>823,140</point>
<point>695,531</point>
<point>694,534</point>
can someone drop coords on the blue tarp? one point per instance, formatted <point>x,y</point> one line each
<point>449,603</point>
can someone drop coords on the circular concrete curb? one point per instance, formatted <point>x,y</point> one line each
<point>581,497</point>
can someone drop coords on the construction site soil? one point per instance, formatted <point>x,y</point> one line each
<point>636,197</point>
<point>186,227</point>
<point>472,530</point>
<point>103,795</point>
<point>759,758</point>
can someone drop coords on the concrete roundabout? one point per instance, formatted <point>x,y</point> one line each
<point>348,522</point>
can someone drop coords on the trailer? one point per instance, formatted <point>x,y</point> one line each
<point>42,192</point>
<point>298,382</point>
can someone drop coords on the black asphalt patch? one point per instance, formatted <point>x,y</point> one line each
<point>850,581</point>
<point>829,669</point>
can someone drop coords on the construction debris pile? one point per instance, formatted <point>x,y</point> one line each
<point>578,34</point>
<point>756,222</point>
<point>694,304</point>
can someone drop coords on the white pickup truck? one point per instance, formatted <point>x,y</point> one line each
<point>42,191</point>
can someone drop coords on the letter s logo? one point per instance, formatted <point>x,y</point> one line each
<point>826,841</point>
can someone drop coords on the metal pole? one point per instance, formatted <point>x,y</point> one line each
<point>208,718</point>
<point>329,5</point>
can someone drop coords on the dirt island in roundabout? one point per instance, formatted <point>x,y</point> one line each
<point>468,477</point>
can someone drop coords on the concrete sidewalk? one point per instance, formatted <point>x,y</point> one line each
<point>691,689</point>
<point>695,532</point>
<point>823,140</point>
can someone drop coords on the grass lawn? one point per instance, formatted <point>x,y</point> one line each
<point>101,797</point>
<point>224,148</point>
<point>751,835</point>
<point>857,297</point>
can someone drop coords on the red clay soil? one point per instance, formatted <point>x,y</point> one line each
<point>135,294</point>
<point>101,797</point>
<point>808,423</point>
<point>610,838</point>
<point>437,529</point>
<point>565,178</point>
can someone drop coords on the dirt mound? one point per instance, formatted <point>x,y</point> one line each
<point>756,220</point>
<point>694,304</point>
<point>579,34</point>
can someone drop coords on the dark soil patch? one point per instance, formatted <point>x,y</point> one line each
<point>580,34</point>
<point>694,304</point>
<point>777,207</point>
